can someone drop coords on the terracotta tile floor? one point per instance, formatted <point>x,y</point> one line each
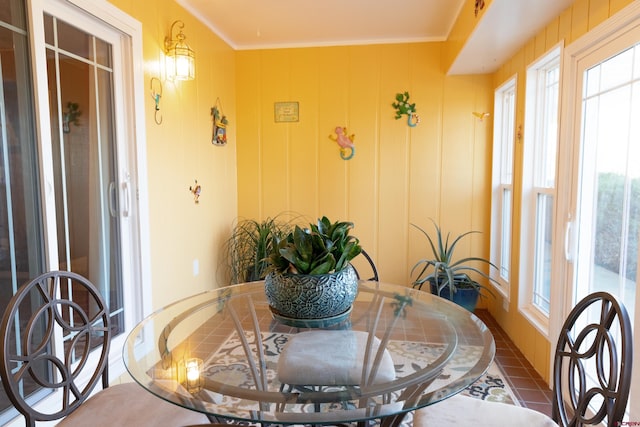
<point>532,391</point>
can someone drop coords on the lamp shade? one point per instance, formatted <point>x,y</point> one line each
<point>180,59</point>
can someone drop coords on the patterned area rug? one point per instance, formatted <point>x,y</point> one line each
<point>229,365</point>
<point>490,386</point>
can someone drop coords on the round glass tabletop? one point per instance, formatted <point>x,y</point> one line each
<point>224,353</point>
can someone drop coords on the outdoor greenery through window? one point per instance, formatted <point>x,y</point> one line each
<point>502,195</point>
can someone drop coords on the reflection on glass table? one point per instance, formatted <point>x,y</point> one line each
<point>217,352</point>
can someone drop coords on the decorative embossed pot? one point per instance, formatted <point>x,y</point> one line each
<point>323,299</point>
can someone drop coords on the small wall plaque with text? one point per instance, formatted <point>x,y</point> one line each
<point>286,112</point>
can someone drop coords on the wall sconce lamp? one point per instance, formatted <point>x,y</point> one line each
<point>180,59</point>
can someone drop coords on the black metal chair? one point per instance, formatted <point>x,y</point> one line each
<point>582,343</point>
<point>374,276</point>
<point>49,306</point>
<point>586,344</point>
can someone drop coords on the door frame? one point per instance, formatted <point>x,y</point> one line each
<point>132,177</point>
<point>570,132</point>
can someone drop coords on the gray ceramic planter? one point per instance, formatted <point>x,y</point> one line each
<point>312,297</point>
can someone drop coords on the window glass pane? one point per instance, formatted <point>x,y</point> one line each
<point>74,41</point>
<point>542,255</point>
<point>609,198</point>
<point>507,139</point>
<point>13,13</point>
<point>48,29</point>
<point>539,181</point>
<point>21,250</point>
<point>111,239</point>
<point>592,81</point>
<point>502,182</point>
<point>546,164</point>
<point>617,70</point>
<point>85,168</point>
<point>505,251</point>
<point>103,53</point>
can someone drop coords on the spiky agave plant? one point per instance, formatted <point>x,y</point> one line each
<point>442,270</point>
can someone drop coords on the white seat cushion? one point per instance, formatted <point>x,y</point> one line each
<point>466,411</point>
<point>130,405</point>
<point>331,358</point>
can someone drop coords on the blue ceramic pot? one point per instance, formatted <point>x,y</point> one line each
<point>302,296</point>
<point>465,297</point>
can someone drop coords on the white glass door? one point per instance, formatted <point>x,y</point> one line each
<point>602,234</point>
<point>84,157</point>
<point>608,210</point>
<point>72,156</point>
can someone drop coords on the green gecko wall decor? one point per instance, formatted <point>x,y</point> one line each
<point>403,107</point>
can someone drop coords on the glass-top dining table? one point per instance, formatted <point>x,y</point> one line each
<point>218,353</point>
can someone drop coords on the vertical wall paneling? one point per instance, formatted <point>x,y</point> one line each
<point>397,174</point>
<point>305,135</point>
<point>249,124</point>
<point>394,144</point>
<point>425,151</point>
<point>598,12</point>
<point>275,138</point>
<point>579,18</point>
<point>333,107</point>
<point>551,32</point>
<point>364,122</point>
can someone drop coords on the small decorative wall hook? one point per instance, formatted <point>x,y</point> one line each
<point>156,94</point>
<point>196,190</point>
<point>403,107</point>
<point>480,116</point>
<point>519,134</point>
<point>347,148</point>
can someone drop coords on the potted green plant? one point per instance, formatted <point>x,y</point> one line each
<point>447,277</point>
<point>310,275</point>
<point>250,244</point>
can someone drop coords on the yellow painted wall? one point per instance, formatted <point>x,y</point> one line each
<point>399,175</point>
<point>574,22</point>
<point>179,151</point>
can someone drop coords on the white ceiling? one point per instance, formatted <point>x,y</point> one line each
<point>505,25</point>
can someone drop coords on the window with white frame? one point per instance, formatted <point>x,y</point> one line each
<point>539,187</point>
<point>502,183</point>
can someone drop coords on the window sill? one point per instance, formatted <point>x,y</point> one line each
<point>501,289</point>
<point>537,319</point>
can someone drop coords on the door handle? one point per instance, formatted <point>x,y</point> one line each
<point>112,199</point>
<point>127,199</point>
<point>568,253</point>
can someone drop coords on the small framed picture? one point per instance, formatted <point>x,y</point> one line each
<point>286,112</point>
